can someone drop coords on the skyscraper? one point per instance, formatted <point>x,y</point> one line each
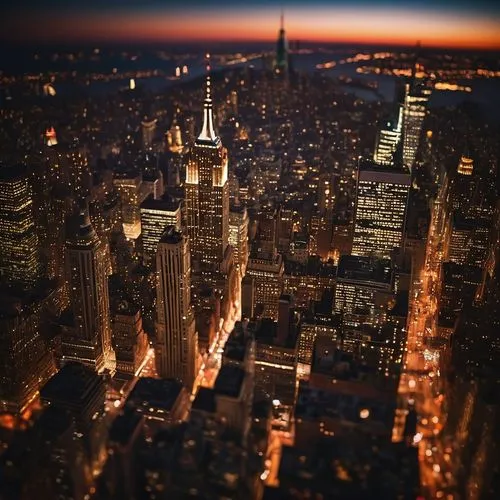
<point>238,235</point>
<point>176,338</point>
<point>415,107</point>
<point>19,262</point>
<point>156,215</point>
<point>148,127</point>
<point>388,137</point>
<point>380,216</point>
<point>207,191</point>
<point>86,326</point>
<point>281,64</point>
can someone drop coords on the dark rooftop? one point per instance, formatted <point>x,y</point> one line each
<point>167,203</point>
<point>171,236</point>
<point>236,345</point>
<point>367,269</point>
<point>205,400</point>
<point>71,384</point>
<point>229,381</point>
<point>159,393</point>
<point>124,426</point>
<point>10,173</point>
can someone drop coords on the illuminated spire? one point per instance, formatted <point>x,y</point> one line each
<point>208,130</point>
<point>282,20</point>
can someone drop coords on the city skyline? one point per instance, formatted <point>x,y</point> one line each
<point>277,276</point>
<point>440,24</point>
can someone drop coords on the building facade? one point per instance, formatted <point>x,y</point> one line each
<point>19,260</point>
<point>176,338</point>
<point>380,217</point>
<point>86,325</point>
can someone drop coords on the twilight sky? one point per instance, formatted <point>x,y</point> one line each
<point>458,23</point>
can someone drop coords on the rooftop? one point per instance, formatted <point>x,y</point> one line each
<point>166,203</point>
<point>172,236</point>
<point>369,269</point>
<point>236,346</point>
<point>124,426</point>
<point>71,384</point>
<point>314,404</point>
<point>153,392</point>
<point>205,400</point>
<point>229,381</point>
<point>12,172</point>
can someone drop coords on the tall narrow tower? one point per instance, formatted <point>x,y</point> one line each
<point>207,190</point>
<point>87,335</point>
<point>176,341</point>
<point>281,65</point>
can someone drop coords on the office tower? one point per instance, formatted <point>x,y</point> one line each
<point>148,127</point>
<point>238,235</point>
<point>267,272</point>
<point>67,165</point>
<point>380,217</point>
<point>462,184</point>
<point>86,325</point>
<point>285,318</point>
<point>468,239</point>
<point>364,289</point>
<point>415,108</point>
<point>25,362</point>
<point>174,137</point>
<point>176,339</point>
<point>313,326</point>
<point>80,391</point>
<point>130,341</point>
<point>156,215</point>
<point>388,138</point>
<point>267,231</point>
<point>459,285</point>
<point>308,282</point>
<point>152,177</point>
<point>275,363</point>
<point>233,102</point>
<point>207,191</point>
<point>106,215</point>
<point>281,63</point>
<point>327,190</point>
<point>19,260</point>
<point>129,186</point>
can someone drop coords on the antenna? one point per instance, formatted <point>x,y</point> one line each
<point>208,88</point>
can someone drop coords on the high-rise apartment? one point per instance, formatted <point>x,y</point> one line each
<point>380,216</point>
<point>176,339</point>
<point>207,191</point>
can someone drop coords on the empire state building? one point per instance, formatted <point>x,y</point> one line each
<point>207,191</point>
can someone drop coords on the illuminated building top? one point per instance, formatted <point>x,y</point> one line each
<point>465,166</point>
<point>207,136</point>
<point>51,137</point>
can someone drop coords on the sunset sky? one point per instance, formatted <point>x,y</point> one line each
<point>474,24</point>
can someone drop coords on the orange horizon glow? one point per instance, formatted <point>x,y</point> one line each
<point>370,26</point>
